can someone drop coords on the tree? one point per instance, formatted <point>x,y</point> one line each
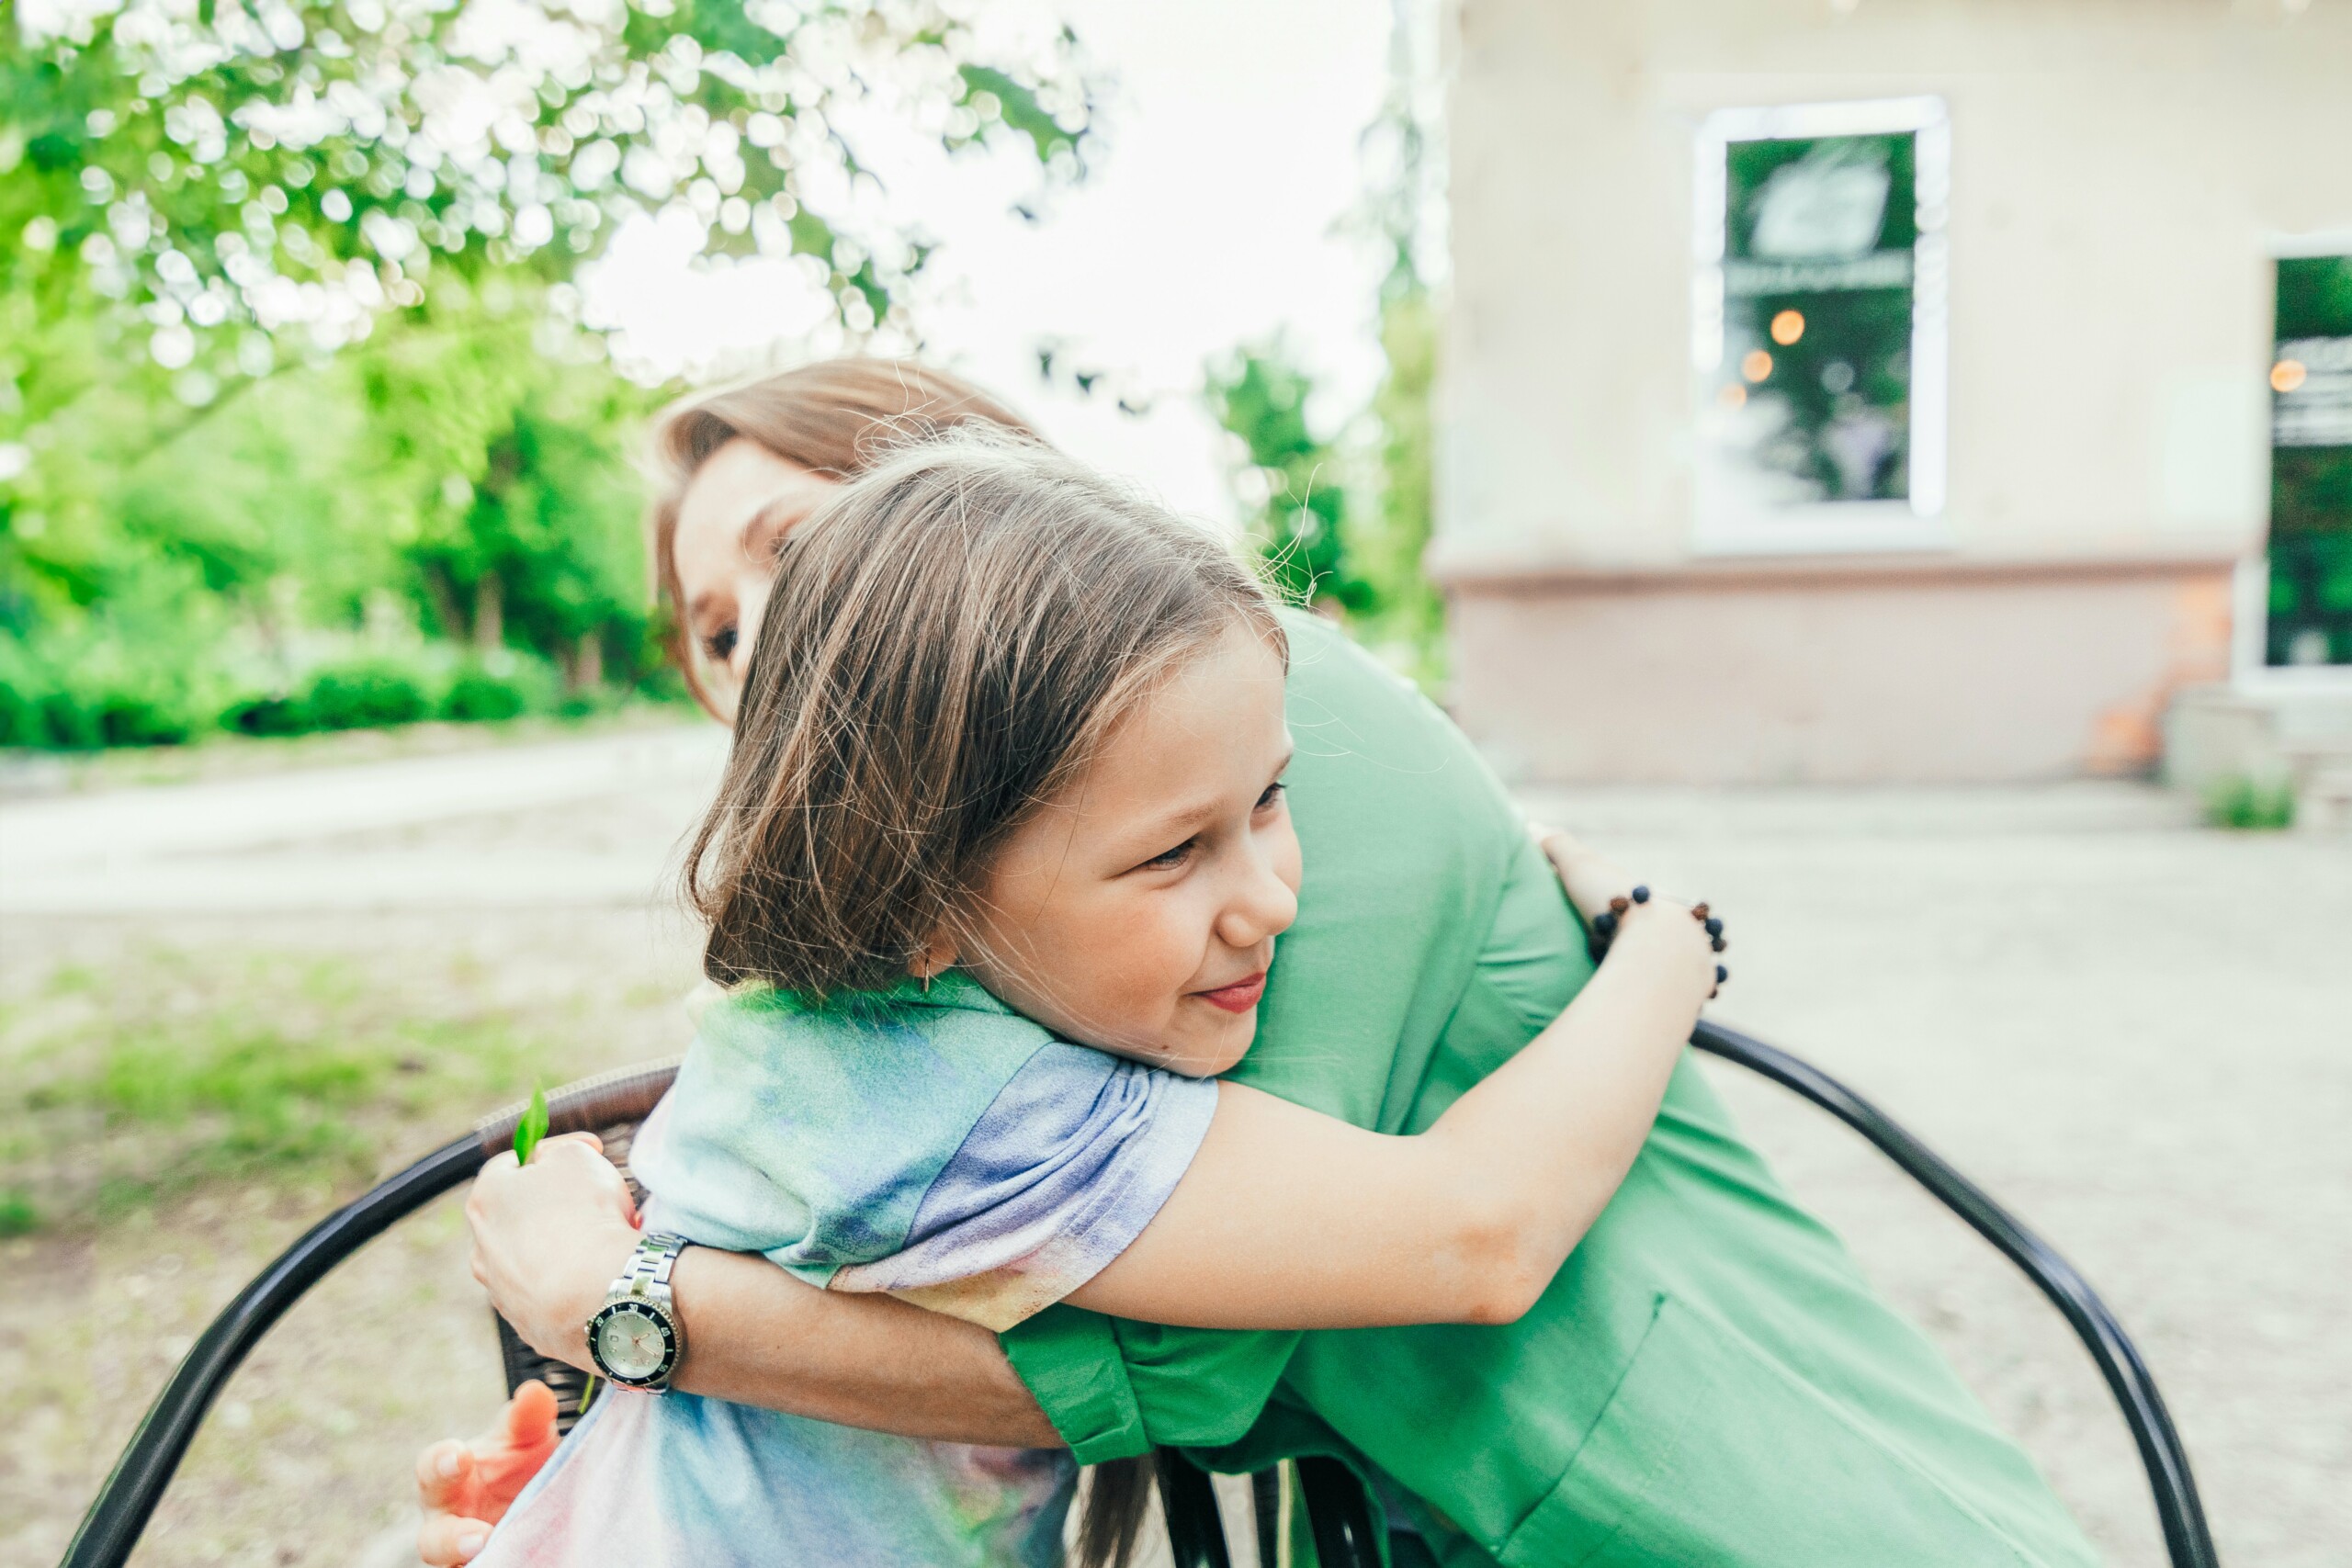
<point>1346,522</point>
<point>1288,478</point>
<point>197,196</point>
<point>238,170</point>
<point>501,444</point>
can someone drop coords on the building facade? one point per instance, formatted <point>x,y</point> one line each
<point>1889,389</point>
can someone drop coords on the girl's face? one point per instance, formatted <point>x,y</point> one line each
<point>1137,912</point>
<point>736,510</point>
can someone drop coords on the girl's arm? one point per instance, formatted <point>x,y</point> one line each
<point>1290,1219</point>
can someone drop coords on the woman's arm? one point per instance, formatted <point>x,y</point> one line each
<point>1290,1219</point>
<point>549,1238</point>
<point>547,1242</point>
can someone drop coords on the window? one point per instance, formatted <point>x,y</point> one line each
<point>1819,326</point>
<point>2307,617</point>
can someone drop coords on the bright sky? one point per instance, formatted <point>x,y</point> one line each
<point>1228,156</point>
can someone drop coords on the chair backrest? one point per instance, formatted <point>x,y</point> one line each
<point>1337,1507</point>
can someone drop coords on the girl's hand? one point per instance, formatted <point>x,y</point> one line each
<point>1681,946</point>
<point>1591,880</point>
<point>550,1239</point>
<point>464,1488</point>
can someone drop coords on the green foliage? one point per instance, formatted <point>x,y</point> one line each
<point>2250,805</point>
<point>375,693</point>
<point>17,1215</point>
<point>1343,522</point>
<point>477,696</point>
<point>379,691</point>
<point>1288,478</point>
<point>1406,618</point>
<point>283,305</point>
<point>244,176</point>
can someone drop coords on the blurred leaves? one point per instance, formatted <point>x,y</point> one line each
<point>296,165</point>
<point>291,367</point>
<point>1343,516</point>
<point>1288,480</point>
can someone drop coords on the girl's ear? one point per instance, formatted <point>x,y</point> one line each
<point>936,957</point>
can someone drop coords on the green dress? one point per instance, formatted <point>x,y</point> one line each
<point>1709,1379</point>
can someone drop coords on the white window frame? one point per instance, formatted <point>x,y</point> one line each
<point>1853,527</point>
<point>2250,585</point>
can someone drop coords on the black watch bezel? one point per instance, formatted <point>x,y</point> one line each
<point>657,1380</point>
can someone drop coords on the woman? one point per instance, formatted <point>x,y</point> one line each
<point>1707,1380</point>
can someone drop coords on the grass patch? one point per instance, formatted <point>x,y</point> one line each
<point>2250,805</point>
<point>185,1072</point>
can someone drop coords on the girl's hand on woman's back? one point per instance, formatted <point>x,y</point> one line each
<point>1592,880</point>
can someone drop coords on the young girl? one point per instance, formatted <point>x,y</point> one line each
<point>993,882</point>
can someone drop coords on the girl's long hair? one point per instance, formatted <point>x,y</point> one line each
<point>947,644</point>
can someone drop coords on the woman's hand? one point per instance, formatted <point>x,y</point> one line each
<point>550,1239</point>
<point>464,1488</point>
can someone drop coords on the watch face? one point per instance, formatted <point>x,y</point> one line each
<point>632,1343</point>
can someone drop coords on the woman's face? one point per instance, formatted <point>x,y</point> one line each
<point>736,510</point>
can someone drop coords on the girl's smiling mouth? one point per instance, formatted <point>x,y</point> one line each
<point>1239,997</point>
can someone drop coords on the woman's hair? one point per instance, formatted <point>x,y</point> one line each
<point>947,643</point>
<point>832,418</point>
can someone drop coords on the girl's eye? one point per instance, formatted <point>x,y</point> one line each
<point>1274,792</point>
<point>1168,860</point>
<point>720,644</point>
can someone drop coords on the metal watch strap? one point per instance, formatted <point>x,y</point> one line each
<point>646,1274</point>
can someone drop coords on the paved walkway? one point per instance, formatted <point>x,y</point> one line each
<point>584,821</point>
<point>2136,1031</point>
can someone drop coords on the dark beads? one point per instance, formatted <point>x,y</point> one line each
<point>1603,932</point>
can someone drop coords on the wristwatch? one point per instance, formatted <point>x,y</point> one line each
<point>636,1337</point>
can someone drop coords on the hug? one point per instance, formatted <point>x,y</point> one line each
<point>1134,1018</point>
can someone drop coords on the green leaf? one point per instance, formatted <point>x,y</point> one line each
<point>532,1127</point>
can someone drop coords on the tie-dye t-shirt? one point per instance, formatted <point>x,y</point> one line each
<point>936,1145</point>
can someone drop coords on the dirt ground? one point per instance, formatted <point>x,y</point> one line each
<point>2136,1032</point>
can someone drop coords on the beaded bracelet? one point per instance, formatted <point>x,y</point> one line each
<point>1603,931</point>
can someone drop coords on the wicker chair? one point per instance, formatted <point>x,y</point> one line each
<point>1336,1504</point>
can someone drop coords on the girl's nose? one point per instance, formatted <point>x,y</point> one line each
<point>1262,906</point>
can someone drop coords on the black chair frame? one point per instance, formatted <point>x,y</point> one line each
<point>1337,1508</point>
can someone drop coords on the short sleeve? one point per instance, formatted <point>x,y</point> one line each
<point>1061,1172</point>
